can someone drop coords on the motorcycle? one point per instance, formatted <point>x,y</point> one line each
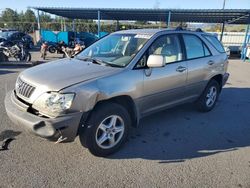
<point>57,47</point>
<point>18,52</point>
<point>72,52</point>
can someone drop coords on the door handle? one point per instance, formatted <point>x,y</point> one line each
<point>210,63</point>
<point>181,69</point>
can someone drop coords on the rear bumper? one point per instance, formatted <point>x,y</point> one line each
<point>225,78</point>
<point>50,128</point>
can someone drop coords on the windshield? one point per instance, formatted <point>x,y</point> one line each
<point>115,49</point>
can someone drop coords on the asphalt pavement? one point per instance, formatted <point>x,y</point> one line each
<point>179,147</point>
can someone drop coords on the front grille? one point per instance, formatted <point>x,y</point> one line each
<point>23,88</point>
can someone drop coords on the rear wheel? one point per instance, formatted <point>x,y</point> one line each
<point>209,97</point>
<point>3,57</point>
<point>107,129</point>
<point>52,49</point>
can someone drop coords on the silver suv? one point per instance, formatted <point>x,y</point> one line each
<point>112,84</point>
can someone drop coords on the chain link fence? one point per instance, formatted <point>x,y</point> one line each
<point>78,26</point>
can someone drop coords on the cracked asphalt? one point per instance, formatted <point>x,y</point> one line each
<point>179,147</point>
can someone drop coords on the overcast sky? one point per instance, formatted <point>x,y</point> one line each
<point>196,4</point>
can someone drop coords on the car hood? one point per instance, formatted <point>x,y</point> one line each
<point>63,73</point>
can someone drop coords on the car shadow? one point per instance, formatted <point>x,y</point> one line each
<point>6,72</point>
<point>9,134</point>
<point>182,133</point>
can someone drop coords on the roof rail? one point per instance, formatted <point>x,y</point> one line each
<point>199,30</point>
<point>179,28</point>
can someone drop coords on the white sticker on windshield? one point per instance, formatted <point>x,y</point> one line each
<point>125,39</point>
<point>143,36</point>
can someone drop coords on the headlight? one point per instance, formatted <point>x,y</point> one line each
<point>53,103</point>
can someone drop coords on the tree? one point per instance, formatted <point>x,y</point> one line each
<point>45,20</point>
<point>9,17</point>
<point>27,21</point>
<point>29,16</point>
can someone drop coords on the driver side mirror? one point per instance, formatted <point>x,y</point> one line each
<point>155,61</point>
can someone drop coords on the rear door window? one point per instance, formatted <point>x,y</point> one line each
<point>195,48</point>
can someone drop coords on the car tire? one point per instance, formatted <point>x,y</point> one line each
<point>106,130</point>
<point>209,97</point>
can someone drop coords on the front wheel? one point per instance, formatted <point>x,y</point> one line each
<point>209,97</point>
<point>27,57</point>
<point>107,129</point>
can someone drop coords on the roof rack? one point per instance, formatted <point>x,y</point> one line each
<point>179,28</point>
<point>199,30</point>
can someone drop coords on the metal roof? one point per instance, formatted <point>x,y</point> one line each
<point>231,16</point>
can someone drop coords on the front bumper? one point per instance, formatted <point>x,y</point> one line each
<point>225,78</point>
<point>50,128</point>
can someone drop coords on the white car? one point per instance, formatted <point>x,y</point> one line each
<point>248,52</point>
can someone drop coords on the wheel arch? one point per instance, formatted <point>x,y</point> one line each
<point>219,79</point>
<point>128,103</point>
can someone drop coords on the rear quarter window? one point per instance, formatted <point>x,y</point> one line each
<point>215,42</point>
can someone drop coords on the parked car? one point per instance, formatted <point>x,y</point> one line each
<point>116,81</point>
<point>227,50</point>
<point>10,38</point>
<point>248,51</point>
<point>6,30</point>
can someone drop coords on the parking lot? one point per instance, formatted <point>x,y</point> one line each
<point>179,147</point>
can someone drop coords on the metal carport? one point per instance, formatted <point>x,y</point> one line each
<point>224,16</point>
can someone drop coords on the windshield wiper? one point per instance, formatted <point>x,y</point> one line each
<point>114,65</point>
<point>93,60</point>
<point>99,61</point>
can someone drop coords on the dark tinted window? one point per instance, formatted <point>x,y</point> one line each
<point>194,46</point>
<point>215,42</point>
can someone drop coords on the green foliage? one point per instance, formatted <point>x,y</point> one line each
<point>21,21</point>
<point>9,17</point>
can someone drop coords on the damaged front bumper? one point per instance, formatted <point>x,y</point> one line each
<point>64,127</point>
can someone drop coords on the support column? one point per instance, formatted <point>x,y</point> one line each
<point>117,25</point>
<point>73,25</point>
<point>64,25</point>
<point>244,46</point>
<point>61,23</point>
<point>222,31</point>
<point>169,18</point>
<point>99,23</point>
<point>38,21</point>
